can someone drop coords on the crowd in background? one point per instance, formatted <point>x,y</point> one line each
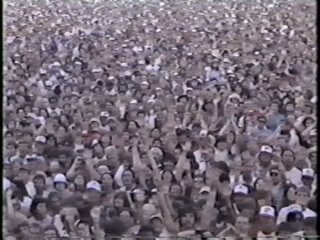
<point>159,119</point>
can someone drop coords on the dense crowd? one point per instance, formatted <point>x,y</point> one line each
<point>159,119</point>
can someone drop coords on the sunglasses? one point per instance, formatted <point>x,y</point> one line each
<point>274,174</point>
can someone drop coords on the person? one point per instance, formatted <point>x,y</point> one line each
<point>160,119</point>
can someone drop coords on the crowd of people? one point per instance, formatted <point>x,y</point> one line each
<point>174,119</point>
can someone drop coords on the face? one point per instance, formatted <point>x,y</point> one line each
<point>175,190</point>
<point>157,224</point>
<point>60,186</point>
<point>188,220</point>
<point>287,158</point>
<point>242,224</point>
<point>221,145</point>
<point>79,180</point>
<point>302,198</point>
<point>107,179</point>
<point>167,177</point>
<point>42,209</point>
<point>83,230</point>
<point>38,183</point>
<point>127,177</point>
<point>260,185</point>
<point>126,218</point>
<point>291,194</point>
<point>275,177</point>
<point>50,234</point>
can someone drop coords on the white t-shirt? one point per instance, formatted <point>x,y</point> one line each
<point>199,160</point>
<point>294,176</point>
<point>282,216</point>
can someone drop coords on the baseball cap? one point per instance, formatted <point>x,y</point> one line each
<point>241,189</point>
<point>266,148</point>
<point>93,185</point>
<point>205,189</point>
<point>156,216</point>
<point>97,70</point>
<point>267,211</point>
<point>94,120</point>
<point>41,139</point>
<point>308,172</point>
<point>60,178</point>
<point>104,114</point>
<point>94,142</point>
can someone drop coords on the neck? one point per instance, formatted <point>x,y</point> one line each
<point>288,168</point>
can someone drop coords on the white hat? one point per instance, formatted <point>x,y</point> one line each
<point>6,184</point>
<point>308,172</point>
<point>55,64</point>
<point>267,211</point>
<point>204,189</point>
<point>104,114</point>
<point>266,148</point>
<point>93,185</point>
<point>241,189</point>
<point>133,101</point>
<point>94,142</point>
<point>203,133</point>
<point>94,120</point>
<point>41,139</point>
<point>96,70</point>
<point>158,215</point>
<point>313,132</point>
<point>79,147</point>
<point>154,190</point>
<point>145,83</point>
<point>138,190</point>
<point>103,169</point>
<point>60,178</point>
<point>49,83</point>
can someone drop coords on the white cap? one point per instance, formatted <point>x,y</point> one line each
<point>104,114</point>
<point>6,184</point>
<point>79,147</point>
<point>145,83</point>
<point>93,185</point>
<point>204,189</point>
<point>308,172</point>
<point>49,83</point>
<point>55,64</point>
<point>41,139</point>
<point>138,190</point>
<point>203,133</point>
<point>241,189</point>
<point>267,211</point>
<point>60,178</point>
<point>96,70</point>
<point>158,215</point>
<point>103,169</point>
<point>94,142</point>
<point>133,101</point>
<point>313,132</point>
<point>266,148</point>
<point>154,190</point>
<point>94,120</point>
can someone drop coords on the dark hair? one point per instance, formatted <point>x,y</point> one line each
<point>286,227</point>
<point>123,196</point>
<point>174,180</point>
<point>53,137</point>
<point>35,202</point>
<point>292,216</point>
<point>286,188</point>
